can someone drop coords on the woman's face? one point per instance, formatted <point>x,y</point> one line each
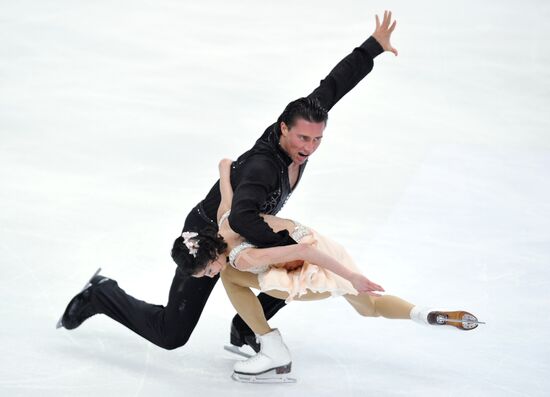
<point>213,267</point>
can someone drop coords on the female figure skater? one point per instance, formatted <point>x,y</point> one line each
<point>313,269</point>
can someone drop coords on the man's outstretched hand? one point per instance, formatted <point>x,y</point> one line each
<point>383,32</point>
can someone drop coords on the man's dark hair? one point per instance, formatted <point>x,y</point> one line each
<point>309,109</point>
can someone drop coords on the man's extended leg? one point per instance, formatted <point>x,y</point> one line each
<point>167,326</point>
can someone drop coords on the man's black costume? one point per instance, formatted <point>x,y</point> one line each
<point>261,185</point>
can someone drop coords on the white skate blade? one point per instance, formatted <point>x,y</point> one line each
<point>59,322</point>
<point>236,350</point>
<point>266,377</point>
<point>465,321</point>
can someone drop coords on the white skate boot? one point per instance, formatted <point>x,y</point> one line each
<point>272,364</point>
<point>459,319</point>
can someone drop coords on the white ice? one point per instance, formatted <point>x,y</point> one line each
<point>434,172</point>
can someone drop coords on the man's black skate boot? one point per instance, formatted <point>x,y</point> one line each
<point>243,337</point>
<point>80,307</point>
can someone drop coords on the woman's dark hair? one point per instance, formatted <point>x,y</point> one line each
<point>211,245</point>
<point>309,109</point>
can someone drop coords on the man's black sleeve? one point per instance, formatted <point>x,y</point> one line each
<point>258,179</point>
<point>347,73</point>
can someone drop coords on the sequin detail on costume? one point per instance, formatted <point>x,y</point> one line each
<point>223,218</point>
<point>271,202</point>
<point>237,250</point>
<point>299,232</point>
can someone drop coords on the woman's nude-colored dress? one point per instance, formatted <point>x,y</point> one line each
<point>307,277</point>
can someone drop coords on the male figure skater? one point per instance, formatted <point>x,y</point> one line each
<point>263,178</point>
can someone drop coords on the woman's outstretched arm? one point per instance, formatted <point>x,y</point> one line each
<point>254,257</point>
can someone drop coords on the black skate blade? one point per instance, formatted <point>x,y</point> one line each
<point>60,321</point>
<point>234,349</point>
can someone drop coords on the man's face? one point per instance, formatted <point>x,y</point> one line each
<point>301,140</point>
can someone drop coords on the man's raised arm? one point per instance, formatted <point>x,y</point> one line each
<point>354,67</point>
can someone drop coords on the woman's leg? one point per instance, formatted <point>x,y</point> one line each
<point>273,354</point>
<point>387,306</point>
<point>237,285</point>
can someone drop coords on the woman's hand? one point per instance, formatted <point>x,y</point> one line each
<point>383,32</point>
<point>225,164</point>
<point>226,191</point>
<point>364,285</point>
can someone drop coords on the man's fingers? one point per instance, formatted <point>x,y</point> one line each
<point>377,22</point>
<point>392,27</point>
<point>387,19</point>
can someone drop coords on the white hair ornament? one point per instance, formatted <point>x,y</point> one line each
<point>191,244</point>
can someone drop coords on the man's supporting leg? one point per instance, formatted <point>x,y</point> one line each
<point>167,326</point>
<point>270,306</point>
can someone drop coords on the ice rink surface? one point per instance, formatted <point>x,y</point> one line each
<point>434,173</point>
